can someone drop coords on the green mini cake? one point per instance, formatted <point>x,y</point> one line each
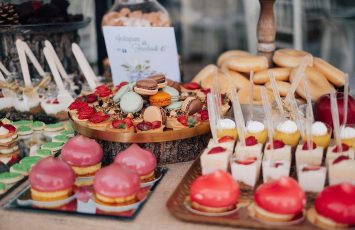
<point>38,125</point>
<point>23,123</point>
<point>60,138</point>
<point>52,146</point>
<point>29,161</point>
<point>24,130</point>
<point>2,188</point>
<point>43,153</point>
<point>68,133</point>
<point>54,127</point>
<point>22,169</point>
<point>10,177</point>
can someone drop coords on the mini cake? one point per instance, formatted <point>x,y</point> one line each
<point>83,154</point>
<point>246,170</point>
<point>340,170</point>
<point>160,99</point>
<point>30,161</point>
<point>146,87</point>
<point>99,120</point>
<point>281,200</point>
<point>174,94</point>
<point>10,177</point>
<point>321,134</point>
<point>153,119</point>
<point>43,153</point>
<point>287,132</point>
<point>191,105</point>
<point>226,142</point>
<point>311,177</point>
<point>334,152</point>
<point>122,126</point>
<point>22,169</point>
<point>51,179</point>
<point>139,160</point>
<point>347,135</point>
<point>214,193</point>
<point>226,127</point>
<point>279,152</point>
<point>114,185</point>
<point>38,125</point>
<point>251,149</point>
<point>54,127</point>
<point>258,130</point>
<point>274,169</point>
<point>335,207</point>
<point>310,157</point>
<point>160,80</point>
<point>216,158</point>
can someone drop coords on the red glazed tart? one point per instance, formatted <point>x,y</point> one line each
<point>281,200</point>
<point>335,206</point>
<point>83,154</point>
<point>214,193</point>
<point>115,185</point>
<point>51,179</point>
<point>139,160</point>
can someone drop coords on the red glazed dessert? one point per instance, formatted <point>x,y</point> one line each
<point>214,193</point>
<point>281,200</point>
<point>115,185</point>
<point>335,206</point>
<point>139,160</point>
<point>83,154</point>
<point>51,179</point>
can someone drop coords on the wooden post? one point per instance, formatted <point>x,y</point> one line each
<point>266,30</point>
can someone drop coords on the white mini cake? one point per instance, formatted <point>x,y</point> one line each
<point>214,159</point>
<point>332,155</point>
<point>309,157</point>
<point>273,170</point>
<point>311,178</point>
<point>246,170</point>
<point>248,151</point>
<point>278,153</point>
<point>225,142</point>
<point>340,170</point>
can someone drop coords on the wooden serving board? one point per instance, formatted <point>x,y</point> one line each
<point>239,219</point>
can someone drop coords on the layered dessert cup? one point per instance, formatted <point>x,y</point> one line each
<point>340,170</point>
<point>216,158</point>
<point>334,152</point>
<point>311,177</point>
<point>258,130</point>
<point>309,154</point>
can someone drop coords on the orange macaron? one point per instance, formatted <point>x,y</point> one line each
<point>160,99</point>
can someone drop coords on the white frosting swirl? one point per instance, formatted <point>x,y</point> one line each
<point>226,124</point>
<point>347,132</point>
<point>319,129</point>
<point>3,131</point>
<point>287,127</point>
<point>255,126</point>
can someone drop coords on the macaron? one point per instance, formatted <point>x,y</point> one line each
<point>43,153</point>
<point>174,84</point>
<point>146,87</point>
<point>175,95</point>
<point>60,138</point>
<point>52,146</point>
<point>10,177</point>
<point>22,169</point>
<point>160,79</point>
<point>38,125</point>
<point>174,106</point>
<point>30,160</point>
<point>24,130</point>
<point>22,122</point>
<point>191,105</point>
<point>68,133</point>
<point>122,91</point>
<point>154,113</point>
<point>131,102</point>
<point>160,99</point>
<point>54,127</point>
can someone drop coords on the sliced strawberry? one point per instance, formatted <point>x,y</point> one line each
<point>119,86</point>
<point>91,98</point>
<point>278,164</point>
<point>305,146</point>
<point>247,161</point>
<point>156,124</point>
<point>128,122</point>
<point>191,86</point>
<point>11,128</point>
<point>340,159</point>
<point>78,104</point>
<point>182,119</point>
<point>204,115</point>
<point>119,124</point>
<point>144,126</point>
<point>344,147</point>
<point>251,141</point>
<point>217,149</point>
<point>278,144</point>
<point>98,117</point>
<point>206,91</point>
<point>311,168</point>
<point>85,113</point>
<point>225,139</point>
<point>103,91</point>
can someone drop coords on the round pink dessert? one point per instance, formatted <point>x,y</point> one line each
<point>135,158</point>
<point>115,181</point>
<point>51,174</point>
<point>82,151</point>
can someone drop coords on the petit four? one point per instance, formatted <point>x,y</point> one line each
<point>214,193</point>
<point>321,134</point>
<point>22,123</point>
<point>334,152</point>
<point>139,160</point>
<point>38,125</point>
<point>51,179</point>
<point>22,169</point>
<point>160,99</point>
<point>53,107</point>
<point>287,132</point>
<point>311,177</point>
<point>43,153</point>
<point>131,102</point>
<point>341,169</point>
<point>246,170</point>
<point>60,138</point>
<point>52,146</point>
<point>114,185</point>
<point>251,149</point>
<point>258,130</point>
<point>30,161</point>
<point>226,127</point>
<point>307,156</point>
<point>280,200</point>
<point>8,135</point>
<point>216,158</point>
<point>24,130</point>
<point>54,127</point>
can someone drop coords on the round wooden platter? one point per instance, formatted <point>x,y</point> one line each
<point>168,135</point>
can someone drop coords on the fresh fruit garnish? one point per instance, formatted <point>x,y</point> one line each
<point>103,91</point>
<point>129,122</point>
<point>225,139</point>
<point>85,113</point>
<point>251,141</point>
<point>344,148</point>
<point>278,164</point>
<point>278,144</point>
<point>192,86</point>
<point>340,159</point>
<point>217,149</point>
<point>311,168</point>
<point>144,126</point>
<point>305,146</point>
<point>182,119</point>
<point>119,124</point>
<point>206,91</point>
<point>247,161</point>
<point>11,128</point>
<point>98,117</point>
<point>91,98</point>
<point>204,115</point>
<point>156,124</point>
<point>119,86</point>
<point>78,104</point>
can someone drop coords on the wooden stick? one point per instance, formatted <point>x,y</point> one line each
<point>346,99</point>
<point>33,59</point>
<point>238,116</point>
<point>54,70</point>
<point>58,63</point>
<point>251,96</point>
<point>335,117</point>
<point>23,63</point>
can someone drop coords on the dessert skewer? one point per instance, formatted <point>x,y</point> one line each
<point>33,59</point>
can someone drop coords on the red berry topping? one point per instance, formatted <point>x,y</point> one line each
<point>119,124</point>
<point>55,101</point>
<point>98,117</point>
<point>344,147</point>
<point>85,113</point>
<point>156,124</point>
<point>216,150</point>
<point>91,98</point>
<point>11,128</point>
<point>311,168</point>
<point>340,159</point>
<point>204,115</point>
<point>225,139</point>
<point>206,91</point>
<point>247,161</point>
<point>78,104</point>
<point>251,141</point>
<point>145,126</point>
<point>103,91</point>
<point>119,86</point>
<point>278,144</point>
<point>305,146</point>
<point>182,119</point>
<point>128,122</point>
<point>191,86</point>
<point>14,159</point>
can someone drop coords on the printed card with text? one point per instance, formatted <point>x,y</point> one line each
<point>137,52</point>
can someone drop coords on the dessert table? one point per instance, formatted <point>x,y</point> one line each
<point>154,214</point>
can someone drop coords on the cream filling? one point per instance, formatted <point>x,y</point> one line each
<point>52,108</point>
<point>287,127</point>
<point>255,127</point>
<point>319,129</point>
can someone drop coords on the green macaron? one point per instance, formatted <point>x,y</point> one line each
<point>174,106</point>
<point>23,123</point>
<point>131,102</point>
<point>175,95</point>
<point>60,138</point>
<point>29,161</point>
<point>24,130</point>
<point>38,125</point>
<point>54,127</point>
<point>52,146</point>
<point>68,133</point>
<point>43,153</point>
<point>10,177</point>
<point>122,91</point>
<point>22,169</point>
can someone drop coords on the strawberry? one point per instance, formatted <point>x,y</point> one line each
<point>119,86</point>
<point>85,113</point>
<point>216,150</point>
<point>55,101</point>
<point>225,139</point>
<point>128,122</point>
<point>278,144</point>
<point>11,128</point>
<point>344,147</point>
<point>156,124</point>
<point>144,126</point>
<point>119,124</point>
<point>77,104</point>
<point>191,86</point>
<point>98,117</point>
<point>305,146</point>
<point>91,98</point>
<point>340,159</point>
<point>204,115</point>
<point>182,119</point>
<point>206,91</point>
<point>311,168</point>
<point>251,141</point>
<point>247,161</point>
<point>103,91</point>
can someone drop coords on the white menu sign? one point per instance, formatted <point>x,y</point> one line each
<point>137,52</point>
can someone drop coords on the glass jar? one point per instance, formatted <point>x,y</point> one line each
<point>137,13</point>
